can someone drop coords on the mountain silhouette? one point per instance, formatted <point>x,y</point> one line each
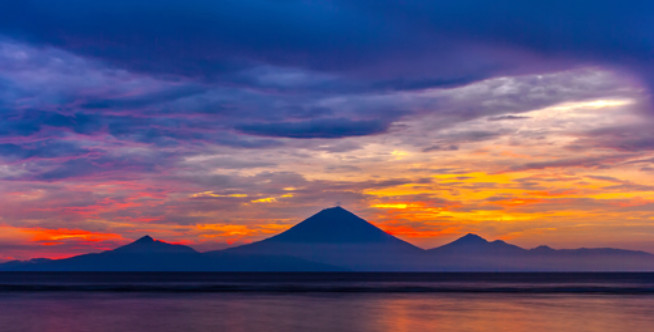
<point>147,244</point>
<point>338,237</point>
<point>474,253</point>
<point>147,254</point>
<point>335,225</point>
<point>144,254</point>
<point>475,244</point>
<point>335,239</point>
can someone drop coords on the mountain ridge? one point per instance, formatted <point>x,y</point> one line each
<point>335,239</point>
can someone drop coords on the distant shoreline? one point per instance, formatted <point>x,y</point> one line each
<point>638,283</point>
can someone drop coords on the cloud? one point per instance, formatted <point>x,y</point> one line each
<point>327,128</point>
<point>144,100</point>
<point>218,37</point>
<point>507,117</point>
<point>443,44</point>
<point>627,138</point>
<point>41,150</point>
<point>440,148</point>
<point>602,161</point>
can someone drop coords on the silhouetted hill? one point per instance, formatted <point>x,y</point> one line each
<point>474,253</point>
<point>147,244</point>
<point>147,254</point>
<point>337,237</point>
<point>474,244</point>
<point>543,249</point>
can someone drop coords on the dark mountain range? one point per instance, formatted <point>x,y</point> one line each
<point>337,240</point>
<point>473,253</point>
<point>147,254</point>
<point>142,255</point>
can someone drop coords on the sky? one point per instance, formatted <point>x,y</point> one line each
<point>219,123</point>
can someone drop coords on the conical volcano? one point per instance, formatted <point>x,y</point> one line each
<point>338,237</point>
<point>334,225</point>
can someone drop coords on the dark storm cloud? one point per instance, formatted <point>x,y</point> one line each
<point>207,67</point>
<point>28,122</point>
<point>391,44</point>
<point>196,38</point>
<point>143,100</point>
<point>326,128</point>
<point>41,150</point>
<point>88,82</point>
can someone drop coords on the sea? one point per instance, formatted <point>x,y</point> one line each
<point>162,302</point>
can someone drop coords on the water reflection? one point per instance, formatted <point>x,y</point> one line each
<point>58,312</point>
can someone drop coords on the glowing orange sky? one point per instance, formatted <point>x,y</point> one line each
<point>543,177</point>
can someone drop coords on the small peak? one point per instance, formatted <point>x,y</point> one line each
<point>543,248</point>
<point>335,212</point>
<point>145,239</point>
<point>335,208</point>
<point>147,244</point>
<point>470,237</point>
<point>466,242</point>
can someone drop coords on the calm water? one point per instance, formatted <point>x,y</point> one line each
<point>319,302</point>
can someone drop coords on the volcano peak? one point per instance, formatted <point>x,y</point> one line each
<point>333,225</point>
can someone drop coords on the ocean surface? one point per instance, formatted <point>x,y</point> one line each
<point>274,302</point>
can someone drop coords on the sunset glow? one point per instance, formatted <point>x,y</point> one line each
<point>197,138</point>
